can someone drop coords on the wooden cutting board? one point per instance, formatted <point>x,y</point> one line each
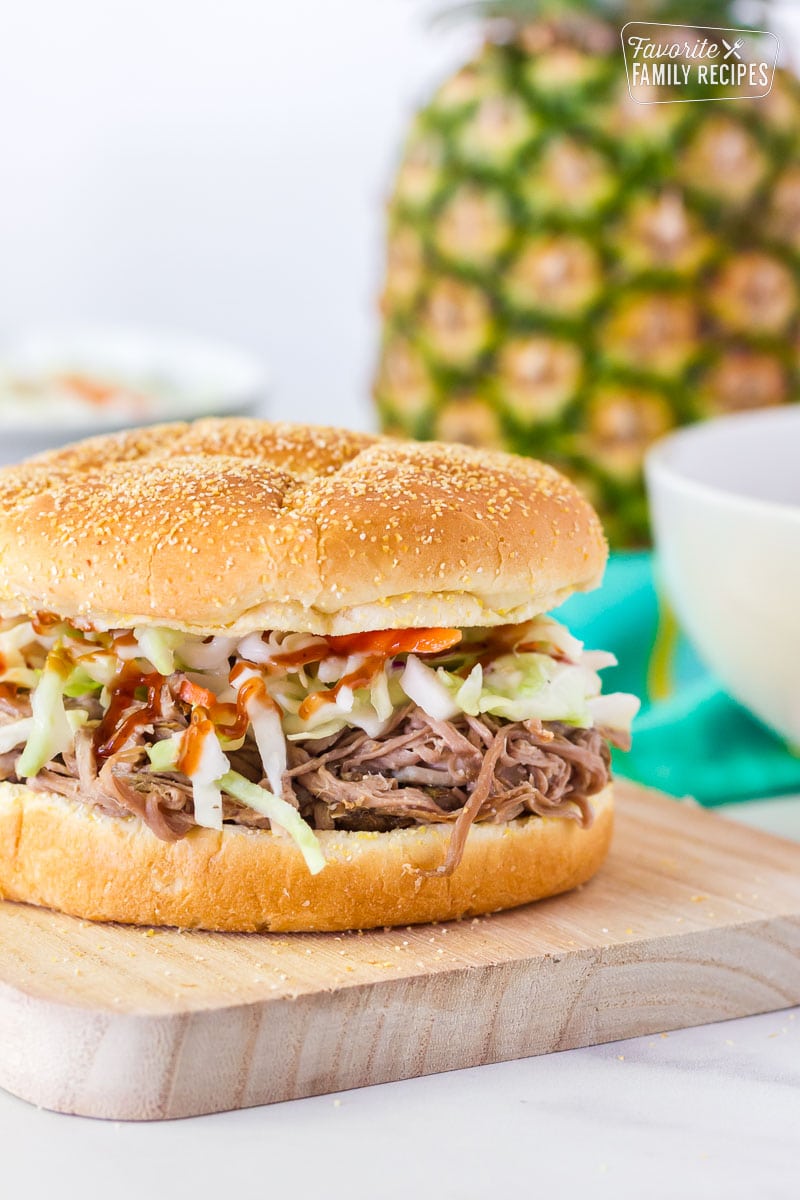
<point>693,919</point>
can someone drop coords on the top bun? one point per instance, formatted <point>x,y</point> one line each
<point>238,525</point>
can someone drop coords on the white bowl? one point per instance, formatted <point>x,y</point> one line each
<point>725,499</point>
<point>181,377</point>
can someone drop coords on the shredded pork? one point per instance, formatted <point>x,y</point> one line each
<point>418,771</point>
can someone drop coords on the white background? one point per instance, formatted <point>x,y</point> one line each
<point>216,166</point>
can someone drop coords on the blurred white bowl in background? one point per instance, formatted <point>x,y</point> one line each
<point>61,384</point>
<point>725,499</point>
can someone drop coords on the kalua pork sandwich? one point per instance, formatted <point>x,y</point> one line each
<point>259,676</point>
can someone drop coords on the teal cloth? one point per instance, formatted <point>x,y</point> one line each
<point>698,742</point>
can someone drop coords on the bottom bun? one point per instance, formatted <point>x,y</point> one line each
<point>64,855</point>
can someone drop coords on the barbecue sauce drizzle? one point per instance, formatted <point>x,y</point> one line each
<point>115,728</point>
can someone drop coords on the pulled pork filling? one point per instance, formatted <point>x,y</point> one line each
<point>372,731</point>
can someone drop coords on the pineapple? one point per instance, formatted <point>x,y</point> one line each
<point>570,273</point>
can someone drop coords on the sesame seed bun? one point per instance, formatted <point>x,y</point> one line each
<point>65,855</point>
<point>240,525</point>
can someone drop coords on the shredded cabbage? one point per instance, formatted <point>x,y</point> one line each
<point>206,791</point>
<point>21,677</point>
<point>262,649</point>
<point>268,732</point>
<point>442,694</point>
<point>525,685</point>
<point>614,711</point>
<point>559,685</point>
<point>159,645</point>
<point>76,719</point>
<point>380,696</point>
<point>348,709</point>
<point>164,755</point>
<point>13,639</point>
<point>81,683</point>
<point>18,669</point>
<point>519,687</point>
<point>553,680</point>
<point>201,655</point>
<point>598,660</point>
<point>332,669</point>
<point>254,649</point>
<point>51,733</point>
<point>468,696</point>
<point>331,718</point>
<point>280,812</point>
<point>265,719</point>
<point>428,690</point>
<point>15,733</point>
<point>544,632</point>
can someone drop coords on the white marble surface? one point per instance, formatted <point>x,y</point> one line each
<point>704,1112</point>
<point>710,1112</point>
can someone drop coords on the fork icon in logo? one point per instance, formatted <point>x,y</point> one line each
<point>733,49</point>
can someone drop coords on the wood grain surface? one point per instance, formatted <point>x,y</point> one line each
<point>693,919</point>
